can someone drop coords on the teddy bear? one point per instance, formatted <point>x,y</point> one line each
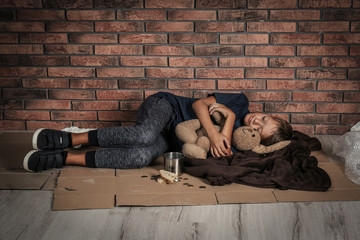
<point>197,143</point>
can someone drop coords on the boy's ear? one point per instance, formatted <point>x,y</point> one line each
<point>261,149</point>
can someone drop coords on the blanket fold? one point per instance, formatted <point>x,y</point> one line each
<point>289,168</point>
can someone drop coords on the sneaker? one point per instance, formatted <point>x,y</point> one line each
<point>37,160</point>
<point>48,139</point>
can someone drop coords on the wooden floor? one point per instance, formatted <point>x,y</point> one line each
<point>28,215</point>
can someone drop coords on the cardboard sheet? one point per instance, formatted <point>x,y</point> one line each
<point>84,188</point>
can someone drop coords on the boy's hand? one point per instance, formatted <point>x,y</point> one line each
<point>219,145</point>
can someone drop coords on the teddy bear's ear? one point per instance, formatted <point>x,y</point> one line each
<point>261,149</point>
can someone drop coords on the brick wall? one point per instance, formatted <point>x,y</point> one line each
<point>90,63</point>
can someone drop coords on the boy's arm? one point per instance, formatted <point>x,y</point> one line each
<point>220,142</point>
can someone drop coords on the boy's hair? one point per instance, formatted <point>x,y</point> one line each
<point>284,132</point>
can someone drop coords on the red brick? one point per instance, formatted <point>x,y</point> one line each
<point>142,83</point>
<point>339,85</point>
<point>315,118</point>
<point>119,27</point>
<point>94,83</point>
<point>12,60</point>
<point>68,4</point>
<point>271,27</point>
<point>45,83</point>
<point>95,105</point>
<point>141,15</point>
<point>243,15</point>
<point>130,105</point>
<point>12,125</point>
<point>90,15</point>
<point>118,50</point>
<point>71,94</point>
<point>169,27</point>
<point>350,119</point>
<point>117,4</point>
<point>244,39</point>
<point>143,61</point>
<point>21,49</point>
<point>34,125</point>
<point>338,108</point>
<point>8,37</point>
<point>71,72</point>
<point>11,104</point>
<point>294,38</point>
<point>10,82</point>
<point>43,38</point>
<point>68,49</point>
<point>307,129</point>
<point>117,116</point>
<point>169,4</point>
<point>26,14</point>
<point>340,62</point>
<point>295,62</point>
<point>341,38</point>
<point>270,50</point>
<point>352,96</point>
<point>21,4</point>
<point>255,107</point>
<point>193,38</point>
<point>217,50</point>
<point>355,26</point>
<point>180,15</point>
<point>219,73</point>
<point>325,3</point>
<point>22,27</point>
<point>356,3</point>
<point>143,38</point>
<point>290,85</point>
<point>271,4</point>
<point>120,72</point>
<point>243,62</point>
<point>192,62</point>
<point>322,50</point>
<point>269,73</point>
<point>323,26</point>
<point>331,130</point>
<point>220,4</point>
<point>346,14</point>
<point>191,84</point>
<point>354,50</point>
<point>288,107</point>
<point>45,60</point>
<point>294,15</point>
<point>168,50</point>
<point>93,38</point>
<point>354,73</point>
<point>47,104</point>
<point>321,73</point>
<point>178,93</point>
<point>219,27</point>
<point>69,27</point>
<point>22,72</point>
<point>170,72</point>
<point>26,115</point>
<point>119,95</point>
<point>73,115</point>
<point>94,61</point>
<point>268,96</point>
<point>317,96</point>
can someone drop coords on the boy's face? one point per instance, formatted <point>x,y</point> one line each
<point>265,124</point>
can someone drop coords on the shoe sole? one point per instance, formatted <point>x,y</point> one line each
<point>26,160</point>
<point>35,136</point>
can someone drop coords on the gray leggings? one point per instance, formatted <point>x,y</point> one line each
<point>135,146</point>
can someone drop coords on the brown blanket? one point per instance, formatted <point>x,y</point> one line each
<point>289,168</point>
